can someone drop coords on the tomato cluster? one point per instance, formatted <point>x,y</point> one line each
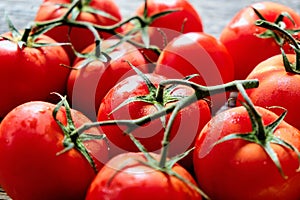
<point>151,106</point>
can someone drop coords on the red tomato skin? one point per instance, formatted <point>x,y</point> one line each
<point>186,19</point>
<point>276,87</point>
<point>87,86</point>
<point>49,11</point>
<point>238,169</point>
<point>163,29</point>
<point>125,178</point>
<point>29,74</point>
<point>240,36</point>
<point>197,53</point>
<point>188,122</point>
<point>30,169</point>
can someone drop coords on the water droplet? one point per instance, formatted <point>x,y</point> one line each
<point>42,111</point>
<point>265,162</point>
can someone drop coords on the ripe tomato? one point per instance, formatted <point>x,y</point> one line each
<point>188,122</point>
<point>276,87</point>
<point>124,177</point>
<point>238,169</point>
<point>185,19</point>
<point>28,72</point>
<point>87,86</point>
<point>197,53</point>
<point>163,29</point>
<point>240,36</point>
<point>30,168</point>
<point>50,10</point>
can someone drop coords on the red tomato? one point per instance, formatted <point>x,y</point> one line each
<point>50,10</point>
<point>277,87</point>
<point>87,86</point>
<point>238,169</point>
<point>124,177</point>
<point>30,138</point>
<point>30,73</point>
<point>186,19</point>
<point>188,122</point>
<point>164,28</point>
<point>241,40</point>
<point>197,53</point>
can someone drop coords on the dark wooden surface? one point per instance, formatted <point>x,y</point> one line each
<point>215,15</point>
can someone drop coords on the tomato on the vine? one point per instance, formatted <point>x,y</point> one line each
<point>141,100</point>
<point>184,18</point>
<point>197,53</point>
<point>279,77</point>
<point>93,76</point>
<point>36,162</point>
<point>242,166</point>
<point>277,87</point>
<point>98,12</point>
<point>162,27</point>
<point>126,176</point>
<point>249,44</point>
<point>30,69</point>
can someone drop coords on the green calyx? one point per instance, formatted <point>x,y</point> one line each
<point>22,39</point>
<point>286,37</point>
<point>279,22</point>
<point>261,134</point>
<point>145,22</point>
<point>158,98</point>
<point>74,138</point>
<point>165,164</point>
<point>167,168</point>
<point>27,38</point>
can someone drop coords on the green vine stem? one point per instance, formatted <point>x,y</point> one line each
<point>286,36</point>
<point>42,27</point>
<point>72,138</point>
<point>261,134</point>
<point>164,164</point>
<point>200,93</point>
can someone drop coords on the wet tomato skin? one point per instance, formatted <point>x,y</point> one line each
<point>240,36</point>
<point>237,169</point>
<point>124,177</point>
<point>30,167</point>
<point>30,73</point>
<point>79,37</point>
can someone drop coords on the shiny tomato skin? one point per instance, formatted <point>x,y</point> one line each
<point>87,86</point>
<point>163,29</point>
<point>49,10</point>
<point>240,36</point>
<point>188,122</point>
<point>186,19</point>
<point>30,73</point>
<point>276,87</point>
<point>197,53</point>
<point>125,178</point>
<point>30,168</point>
<point>237,169</point>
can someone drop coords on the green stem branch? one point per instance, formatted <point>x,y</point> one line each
<point>287,37</point>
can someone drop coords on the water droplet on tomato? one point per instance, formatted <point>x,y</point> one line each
<point>42,111</point>
<point>265,162</point>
